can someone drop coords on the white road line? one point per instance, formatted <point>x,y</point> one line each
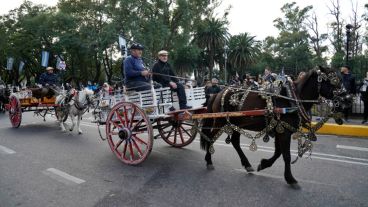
<point>314,153</point>
<point>6,150</point>
<point>313,157</point>
<point>352,148</point>
<point>62,176</point>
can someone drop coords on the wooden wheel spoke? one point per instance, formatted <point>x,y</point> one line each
<point>181,135</point>
<point>126,117</point>
<point>139,140</point>
<point>115,124</point>
<point>176,133</point>
<point>137,147</point>
<point>131,151</point>
<point>186,131</point>
<point>165,126</point>
<point>137,124</point>
<point>124,150</point>
<point>119,117</point>
<point>170,132</point>
<point>118,144</point>
<point>132,118</point>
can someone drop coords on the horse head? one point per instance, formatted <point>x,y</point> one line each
<point>330,87</point>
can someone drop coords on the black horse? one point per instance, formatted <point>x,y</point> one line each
<point>4,96</point>
<point>317,82</point>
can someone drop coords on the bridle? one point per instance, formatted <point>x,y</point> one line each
<point>338,90</point>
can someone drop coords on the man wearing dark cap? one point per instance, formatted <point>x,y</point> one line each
<point>135,72</point>
<point>168,79</point>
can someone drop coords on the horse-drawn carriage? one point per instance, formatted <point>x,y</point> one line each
<point>39,100</point>
<point>132,119</point>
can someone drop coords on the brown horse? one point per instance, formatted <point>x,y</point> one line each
<point>318,82</point>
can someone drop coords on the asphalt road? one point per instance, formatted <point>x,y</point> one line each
<point>41,166</point>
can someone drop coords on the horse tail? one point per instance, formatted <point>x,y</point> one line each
<point>207,125</point>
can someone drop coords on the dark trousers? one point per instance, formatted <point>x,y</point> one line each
<point>180,90</point>
<point>141,85</point>
<point>365,115</point>
<point>346,112</point>
<point>138,86</point>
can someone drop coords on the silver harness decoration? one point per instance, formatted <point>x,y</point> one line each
<point>273,121</point>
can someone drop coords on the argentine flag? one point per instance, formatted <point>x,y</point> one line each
<point>45,59</point>
<point>21,65</point>
<point>9,64</point>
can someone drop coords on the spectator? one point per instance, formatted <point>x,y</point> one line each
<point>348,81</point>
<point>211,89</point>
<point>364,98</point>
<point>267,75</point>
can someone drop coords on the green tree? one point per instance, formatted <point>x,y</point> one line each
<point>211,35</point>
<point>292,44</point>
<point>244,51</point>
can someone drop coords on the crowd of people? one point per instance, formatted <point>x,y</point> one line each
<point>138,77</point>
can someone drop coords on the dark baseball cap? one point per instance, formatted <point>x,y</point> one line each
<point>137,46</point>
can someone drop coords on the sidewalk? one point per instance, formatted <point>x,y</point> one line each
<point>352,128</point>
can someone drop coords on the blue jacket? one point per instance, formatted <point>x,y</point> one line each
<point>132,69</point>
<point>47,78</point>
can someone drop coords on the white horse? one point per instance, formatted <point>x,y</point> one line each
<point>75,107</point>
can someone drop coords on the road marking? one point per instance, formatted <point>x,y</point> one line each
<point>352,148</point>
<point>294,154</point>
<point>314,153</point>
<point>6,150</point>
<point>62,176</point>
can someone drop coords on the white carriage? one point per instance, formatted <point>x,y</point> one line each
<point>130,119</point>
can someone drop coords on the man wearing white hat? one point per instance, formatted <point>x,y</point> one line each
<point>168,79</point>
<point>48,78</point>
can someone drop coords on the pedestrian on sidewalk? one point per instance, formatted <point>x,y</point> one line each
<point>348,81</point>
<point>364,97</point>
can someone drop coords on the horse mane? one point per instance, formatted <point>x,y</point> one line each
<point>300,83</point>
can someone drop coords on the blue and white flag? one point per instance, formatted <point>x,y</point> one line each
<point>9,64</point>
<point>122,44</point>
<point>45,59</point>
<point>21,66</point>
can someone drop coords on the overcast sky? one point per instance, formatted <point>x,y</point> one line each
<point>253,16</point>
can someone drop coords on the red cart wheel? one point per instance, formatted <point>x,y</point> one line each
<point>177,133</point>
<point>15,111</point>
<point>129,133</point>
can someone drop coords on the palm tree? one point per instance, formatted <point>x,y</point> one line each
<point>211,36</point>
<point>244,50</point>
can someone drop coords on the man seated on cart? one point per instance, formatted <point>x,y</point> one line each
<point>164,75</point>
<point>49,81</point>
<point>48,78</point>
<point>137,77</point>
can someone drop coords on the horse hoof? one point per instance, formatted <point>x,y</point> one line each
<point>295,186</point>
<point>210,167</point>
<point>259,168</point>
<point>79,132</point>
<point>249,169</point>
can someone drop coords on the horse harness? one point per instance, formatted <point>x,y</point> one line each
<point>304,139</point>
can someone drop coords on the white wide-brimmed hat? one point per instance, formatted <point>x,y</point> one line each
<point>49,68</point>
<point>163,52</point>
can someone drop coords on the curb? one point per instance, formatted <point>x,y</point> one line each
<point>345,130</point>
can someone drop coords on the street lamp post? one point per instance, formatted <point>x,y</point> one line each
<point>348,31</point>
<point>225,55</point>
